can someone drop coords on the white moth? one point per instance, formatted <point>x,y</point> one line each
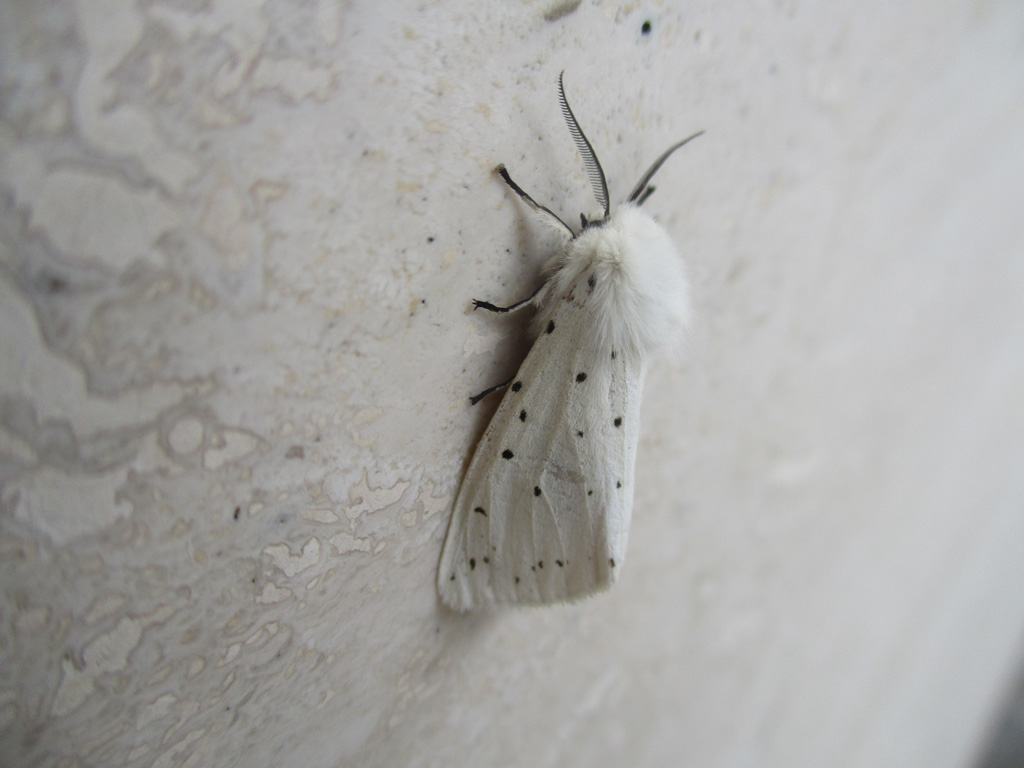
<point>543,512</point>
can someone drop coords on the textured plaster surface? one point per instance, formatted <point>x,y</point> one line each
<point>238,242</point>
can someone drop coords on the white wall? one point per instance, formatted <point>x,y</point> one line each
<point>238,244</point>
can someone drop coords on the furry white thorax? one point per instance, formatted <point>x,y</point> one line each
<point>640,299</point>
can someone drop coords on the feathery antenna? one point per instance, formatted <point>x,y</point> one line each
<point>642,191</point>
<point>594,170</point>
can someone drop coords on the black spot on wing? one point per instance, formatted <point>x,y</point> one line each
<point>536,491</point>
<point>481,511</point>
<point>579,433</point>
<point>522,415</point>
<point>551,326</point>
<point>472,563</point>
<point>591,281</point>
<point>618,483</point>
<point>611,561</point>
<point>487,560</point>
<point>581,376</point>
<point>613,354</point>
<point>618,421</point>
<point>540,563</point>
<point>560,563</point>
<point>645,28</point>
<point>517,386</point>
<point>507,454</point>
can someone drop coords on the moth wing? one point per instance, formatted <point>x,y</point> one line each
<point>543,512</point>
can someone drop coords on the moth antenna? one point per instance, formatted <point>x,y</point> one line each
<point>590,162</point>
<point>641,185</point>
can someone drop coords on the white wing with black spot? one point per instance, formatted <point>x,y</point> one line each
<point>543,512</point>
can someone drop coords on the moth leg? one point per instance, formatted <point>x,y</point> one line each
<point>477,398</point>
<point>534,205</point>
<point>644,195</point>
<point>477,304</point>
